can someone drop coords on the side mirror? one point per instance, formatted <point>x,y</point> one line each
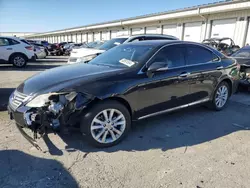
<point>157,66</point>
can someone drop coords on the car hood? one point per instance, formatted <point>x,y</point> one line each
<point>82,52</point>
<point>242,60</point>
<point>62,78</point>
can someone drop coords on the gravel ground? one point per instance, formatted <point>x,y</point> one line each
<point>193,148</point>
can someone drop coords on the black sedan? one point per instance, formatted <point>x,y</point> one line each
<point>129,82</point>
<point>243,58</point>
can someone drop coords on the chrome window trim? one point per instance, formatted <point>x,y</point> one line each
<point>175,108</point>
<point>142,72</point>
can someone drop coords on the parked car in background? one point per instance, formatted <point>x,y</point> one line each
<point>39,42</point>
<point>54,49</point>
<point>40,52</point>
<point>130,82</point>
<point>85,55</point>
<point>39,45</point>
<point>95,44</point>
<point>243,58</point>
<point>16,51</point>
<point>224,45</point>
<point>67,48</point>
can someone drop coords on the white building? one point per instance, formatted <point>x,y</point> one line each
<point>222,19</point>
<point>17,34</point>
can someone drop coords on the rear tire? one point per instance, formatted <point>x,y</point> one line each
<point>18,60</point>
<point>221,96</point>
<point>106,123</point>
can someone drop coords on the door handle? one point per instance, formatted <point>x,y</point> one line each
<point>9,49</point>
<point>185,74</point>
<point>219,67</point>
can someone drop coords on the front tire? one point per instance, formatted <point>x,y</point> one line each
<point>18,60</point>
<point>221,96</point>
<point>106,123</point>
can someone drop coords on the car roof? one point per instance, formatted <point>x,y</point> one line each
<point>245,48</point>
<point>219,39</point>
<point>154,35</point>
<point>11,37</point>
<point>159,43</point>
<point>147,35</point>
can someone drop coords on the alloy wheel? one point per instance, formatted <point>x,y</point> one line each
<point>108,125</point>
<point>221,96</point>
<point>19,61</point>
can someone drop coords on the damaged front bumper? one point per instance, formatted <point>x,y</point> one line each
<point>18,115</point>
<point>58,113</point>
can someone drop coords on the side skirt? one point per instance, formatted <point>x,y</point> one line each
<point>175,108</point>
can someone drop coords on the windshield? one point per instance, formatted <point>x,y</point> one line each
<point>95,44</point>
<point>242,53</point>
<point>123,56</point>
<point>112,43</point>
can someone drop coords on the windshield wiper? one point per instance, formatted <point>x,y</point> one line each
<point>106,65</point>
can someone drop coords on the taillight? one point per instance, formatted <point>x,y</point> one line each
<point>29,47</point>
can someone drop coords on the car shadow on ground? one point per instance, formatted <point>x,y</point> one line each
<point>185,128</point>
<point>4,97</point>
<point>19,169</point>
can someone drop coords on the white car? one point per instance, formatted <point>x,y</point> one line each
<point>15,51</point>
<point>84,55</point>
<point>39,52</point>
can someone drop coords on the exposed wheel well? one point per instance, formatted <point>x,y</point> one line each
<point>18,53</point>
<point>229,82</point>
<point>118,99</point>
<point>124,102</point>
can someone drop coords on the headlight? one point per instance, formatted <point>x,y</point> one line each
<point>39,101</point>
<point>86,58</point>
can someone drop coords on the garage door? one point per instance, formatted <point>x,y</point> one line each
<point>79,39</point>
<point>105,35</point>
<point>151,30</point>
<point>97,36</point>
<point>84,37</point>
<point>50,39</point>
<point>114,34</point>
<point>69,38</point>
<point>248,34</point>
<point>123,32</point>
<point>74,38</point>
<point>58,39</point>
<point>90,37</point>
<point>170,30</point>
<point>137,31</point>
<point>192,32</point>
<point>223,28</point>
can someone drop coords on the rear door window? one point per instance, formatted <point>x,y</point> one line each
<point>198,55</point>
<point>13,42</point>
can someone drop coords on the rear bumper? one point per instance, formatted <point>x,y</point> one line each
<point>33,58</point>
